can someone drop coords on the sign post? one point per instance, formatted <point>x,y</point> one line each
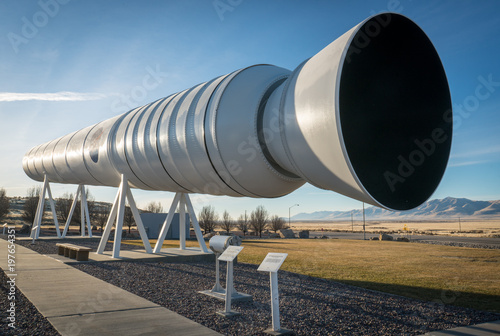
<point>272,264</point>
<point>218,244</point>
<point>229,255</point>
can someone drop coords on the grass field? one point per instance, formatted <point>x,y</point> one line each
<point>451,275</point>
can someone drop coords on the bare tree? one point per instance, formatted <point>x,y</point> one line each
<point>92,206</point>
<point>4,203</point>
<point>63,206</point>
<point>242,224</point>
<point>154,207</point>
<point>128,218</point>
<point>102,212</point>
<point>227,222</point>
<point>208,218</point>
<point>277,223</point>
<point>258,219</point>
<point>31,204</point>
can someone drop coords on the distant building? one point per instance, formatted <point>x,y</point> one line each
<point>154,221</point>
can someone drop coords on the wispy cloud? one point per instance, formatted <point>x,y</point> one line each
<point>468,163</point>
<point>56,96</point>
<point>494,149</point>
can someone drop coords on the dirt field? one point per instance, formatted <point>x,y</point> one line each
<point>476,228</point>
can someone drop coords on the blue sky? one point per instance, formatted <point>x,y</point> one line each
<point>99,51</point>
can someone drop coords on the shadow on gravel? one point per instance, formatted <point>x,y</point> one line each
<point>438,296</point>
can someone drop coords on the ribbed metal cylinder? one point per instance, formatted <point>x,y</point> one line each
<point>363,117</point>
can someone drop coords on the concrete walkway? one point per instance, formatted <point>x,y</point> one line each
<point>483,329</point>
<point>76,303</point>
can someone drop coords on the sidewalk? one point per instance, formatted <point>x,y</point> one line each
<point>76,303</point>
<point>483,329</point>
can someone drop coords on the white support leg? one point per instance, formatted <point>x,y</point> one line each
<point>85,209</point>
<point>119,217</point>
<point>109,225</point>
<point>182,223</point>
<point>40,210</point>
<point>71,211</point>
<point>275,301</point>
<point>34,226</point>
<point>229,293</point>
<point>217,287</point>
<point>54,213</point>
<point>229,286</point>
<point>82,211</point>
<point>196,224</point>
<point>166,224</point>
<point>138,221</point>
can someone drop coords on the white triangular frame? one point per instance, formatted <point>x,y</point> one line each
<point>40,209</point>
<point>84,213</point>
<point>117,212</point>
<point>184,202</point>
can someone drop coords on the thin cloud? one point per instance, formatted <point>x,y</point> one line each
<point>468,163</point>
<point>495,149</point>
<point>56,96</point>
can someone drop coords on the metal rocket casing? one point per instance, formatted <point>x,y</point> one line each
<point>368,117</point>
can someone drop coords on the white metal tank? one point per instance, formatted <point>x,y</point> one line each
<point>368,117</point>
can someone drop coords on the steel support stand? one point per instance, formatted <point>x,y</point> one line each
<point>84,213</point>
<point>217,287</point>
<point>118,213</point>
<point>185,202</point>
<point>37,223</point>
<point>275,308</point>
<point>229,293</point>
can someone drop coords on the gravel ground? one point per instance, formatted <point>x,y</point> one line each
<point>49,247</point>
<point>29,321</point>
<point>309,306</point>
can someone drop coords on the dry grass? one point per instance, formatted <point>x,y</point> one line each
<point>462,276</point>
<point>453,275</point>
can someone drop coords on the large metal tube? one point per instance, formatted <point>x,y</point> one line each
<point>368,117</point>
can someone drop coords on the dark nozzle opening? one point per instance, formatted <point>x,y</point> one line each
<point>395,111</point>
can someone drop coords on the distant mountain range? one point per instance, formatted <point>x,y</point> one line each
<point>448,207</point>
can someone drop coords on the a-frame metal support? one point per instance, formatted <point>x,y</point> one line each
<point>118,213</point>
<point>84,212</point>
<point>184,202</point>
<point>37,223</point>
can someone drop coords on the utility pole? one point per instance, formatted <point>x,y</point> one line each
<point>364,231</point>
<point>459,225</point>
<point>289,214</point>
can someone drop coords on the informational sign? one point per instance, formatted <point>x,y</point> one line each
<point>230,253</point>
<point>272,262</point>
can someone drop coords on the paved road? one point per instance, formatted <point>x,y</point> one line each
<point>454,239</point>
